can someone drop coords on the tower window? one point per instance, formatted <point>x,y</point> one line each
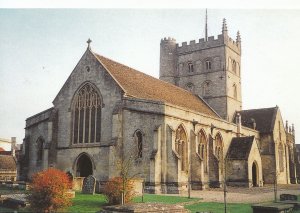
<point>208,65</point>
<point>206,88</point>
<point>234,66</point>
<point>191,67</point>
<point>190,87</point>
<point>234,91</point>
<point>86,115</point>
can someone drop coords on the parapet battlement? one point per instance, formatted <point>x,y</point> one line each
<point>210,42</point>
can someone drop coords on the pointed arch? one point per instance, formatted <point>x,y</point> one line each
<point>234,90</point>
<point>203,147</point>
<point>83,164</point>
<point>206,88</point>
<point>181,146</point>
<point>40,143</point>
<point>86,114</point>
<point>138,140</point>
<point>219,146</point>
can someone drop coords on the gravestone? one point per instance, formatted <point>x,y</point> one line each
<point>89,184</point>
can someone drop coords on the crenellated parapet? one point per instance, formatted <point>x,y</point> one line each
<point>211,42</point>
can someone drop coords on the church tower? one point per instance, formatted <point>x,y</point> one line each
<point>210,68</point>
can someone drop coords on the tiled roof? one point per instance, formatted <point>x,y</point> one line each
<point>240,147</point>
<point>139,85</point>
<point>7,162</point>
<point>264,118</point>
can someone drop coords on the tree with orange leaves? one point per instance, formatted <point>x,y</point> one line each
<point>49,191</point>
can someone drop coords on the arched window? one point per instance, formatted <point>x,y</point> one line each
<point>191,67</point>
<point>39,150</point>
<point>206,88</point>
<point>86,115</point>
<point>190,87</point>
<point>208,64</point>
<point>281,155</point>
<point>218,147</point>
<point>138,136</point>
<point>202,148</point>
<point>234,66</point>
<point>181,147</point>
<point>234,88</point>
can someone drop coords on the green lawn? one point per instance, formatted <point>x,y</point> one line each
<point>163,199</point>
<point>94,203</point>
<point>87,203</point>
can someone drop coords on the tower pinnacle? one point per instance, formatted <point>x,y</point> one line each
<point>238,37</point>
<point>224,27</point>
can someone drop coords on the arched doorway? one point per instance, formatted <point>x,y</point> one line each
<point>84,166</point>
<point>254,174</point>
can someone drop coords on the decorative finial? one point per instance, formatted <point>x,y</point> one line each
<point>224,27</point>
<point>238,37</point>
<point>286,125</point>
<point>89,42</point>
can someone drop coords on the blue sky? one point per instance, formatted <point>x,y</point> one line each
<point>40,47</point>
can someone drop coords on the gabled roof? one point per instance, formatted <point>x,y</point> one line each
<point>264,118</point>
<point>7,162</point>
<point>139,85</point>
<point>240,148</point>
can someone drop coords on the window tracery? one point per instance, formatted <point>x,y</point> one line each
<point>202,149</point>
<point>181,147</point>
<point>86,115</point>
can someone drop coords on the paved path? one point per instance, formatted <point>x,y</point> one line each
<point>245,195</point>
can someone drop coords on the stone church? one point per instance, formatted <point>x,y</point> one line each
<point>187,128</point>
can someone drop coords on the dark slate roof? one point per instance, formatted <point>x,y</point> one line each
<point>240,147</point>
<point>264,118</point>
<point>139,85</point>
<point>7,162</point>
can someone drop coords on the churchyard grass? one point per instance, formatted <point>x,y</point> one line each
<point>94,203</point>
<point>87,203</point>
<point>151,198</point>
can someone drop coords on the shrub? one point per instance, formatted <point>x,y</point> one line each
<point>113,190</point>
<point>48,191</point>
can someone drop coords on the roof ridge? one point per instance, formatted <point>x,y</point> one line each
<point>157,79</point>
<point>139,85</point>
<point>257,109</point>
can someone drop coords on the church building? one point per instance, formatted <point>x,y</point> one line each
<point>187,128</point>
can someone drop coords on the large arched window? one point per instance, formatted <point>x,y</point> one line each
<point>181,147</point>
<point>138,137</point>
<point>86,115</point>
<point>202,148</point>
<point>281,155</point>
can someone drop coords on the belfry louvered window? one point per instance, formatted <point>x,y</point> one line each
<point>86,115</point>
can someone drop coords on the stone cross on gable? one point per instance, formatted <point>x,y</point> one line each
<point>89,42</point>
